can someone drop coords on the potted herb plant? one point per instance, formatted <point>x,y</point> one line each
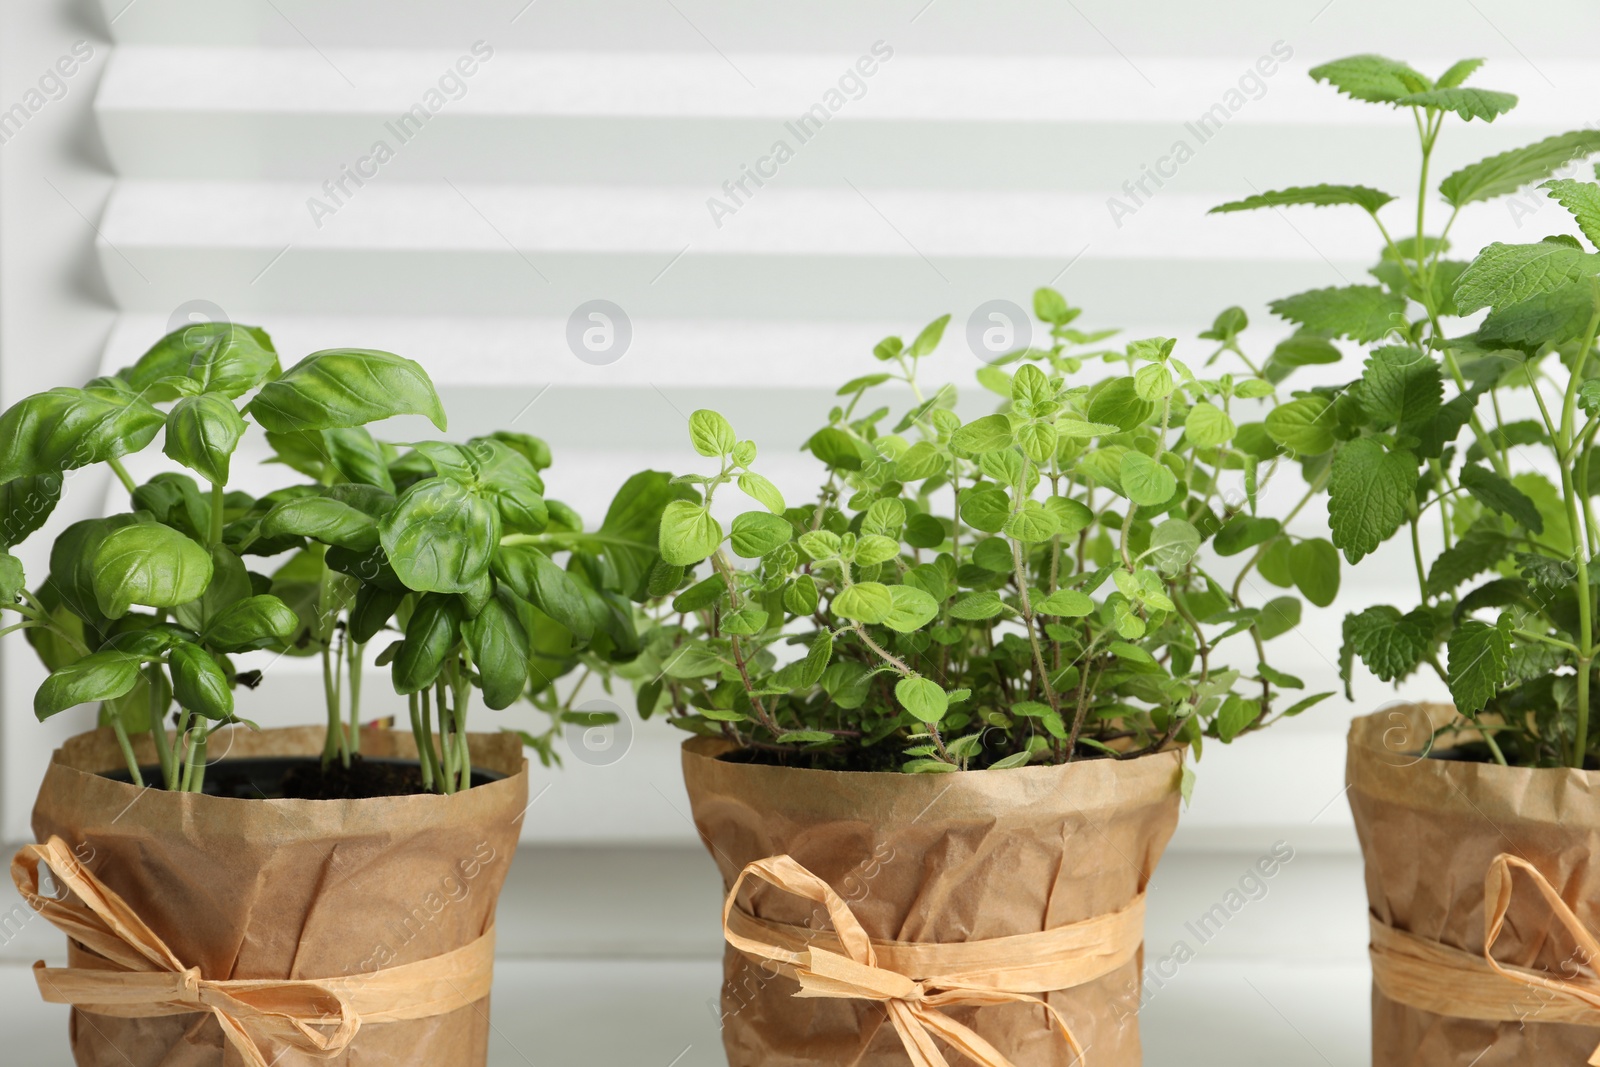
<point>265,896</point>
<point>942,708</point>
<point>1470,435</point>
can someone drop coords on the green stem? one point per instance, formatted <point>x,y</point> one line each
<point>158,727</point>
<point>218,491</point>
<point>419,731</point>
<point>123,476</point>
<point>356,650</point>
<point>127,750</point>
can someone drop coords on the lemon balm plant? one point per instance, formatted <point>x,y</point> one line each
<point>1469,437</point>
<point>1483,424</point>
<point>1023,587</point>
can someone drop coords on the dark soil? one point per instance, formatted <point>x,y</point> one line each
<point>878,758</point>
<point>361,780</point>
<point>303,778</point>
<point>1478,752</point>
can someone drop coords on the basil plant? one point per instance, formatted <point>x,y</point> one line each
<point>1025,587</point>
<point>1469,434</point>
<point>143,611</point>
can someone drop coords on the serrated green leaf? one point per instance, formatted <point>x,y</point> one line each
<point>1373,78</point>
<point>1400,386</point>
<point>1476,664</point>
<point>1362,313</point>
<point>1390,644</point>
<point>1361,196</point>
<point>1485,104</point>
<point>1582,199</point>
<point>1370,491</point>
<point>1500,495</point>
<point>912,609</point>
<point>1509,171</point>
<point>1503,275</point>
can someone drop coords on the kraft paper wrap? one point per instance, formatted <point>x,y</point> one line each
<point>934,858</point>
<point>288,889</point>
<point>1434,833</point>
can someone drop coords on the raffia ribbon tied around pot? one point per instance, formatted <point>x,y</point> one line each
<point>1437,978</point>
<point>129,972</point>
<point>913,980</point>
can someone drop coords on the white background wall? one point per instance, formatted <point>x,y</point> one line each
<point>577,165</point>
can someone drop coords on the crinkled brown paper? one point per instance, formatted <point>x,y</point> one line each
<point>942,858</point>
<point>290,888</point>
<point>1429,830</point>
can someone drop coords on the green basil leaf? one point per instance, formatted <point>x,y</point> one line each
<point>440,536</point>
<point>202,432</point>
<point>198,683</point>
<point>500,652</point>
<point>65,429</point>
<point>25,506</point>
<point>218,357</point>
<point>346,387</point>
<point>321,519</point>
<point>97,676</point>
<point>150,565</point>
<point>373,608</point>
<point>255,622</point>
<point>431,634</point>
<point>536,578</point>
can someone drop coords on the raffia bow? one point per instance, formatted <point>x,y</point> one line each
<point>1443,980</point>
<point>129,972</point>
<point>915,980</point>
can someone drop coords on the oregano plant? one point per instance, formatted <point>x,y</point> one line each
<point>1470,431</point>
<point>1026,586</point>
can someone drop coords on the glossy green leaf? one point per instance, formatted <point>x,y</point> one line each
<point>65,429</point>
<point>98,676</point>
<point>202,432</point>
<point>431,634</point>
<point>346,387</point>
<point>440,536</point>
<point>499,652</point>
<point>150,565</point>
<point>261,621</point>
<point>198,683</point>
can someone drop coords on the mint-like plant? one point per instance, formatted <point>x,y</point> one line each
<point>1487,420</point>
<point>1027,586</point>
<point>448,545</point>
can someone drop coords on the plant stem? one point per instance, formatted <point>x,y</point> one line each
<point>356,663</point>
<point>127,750</point>
<point>158,728</point>
<point>122,475</point>
<point>424,743</point>
<point>218,491</point>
